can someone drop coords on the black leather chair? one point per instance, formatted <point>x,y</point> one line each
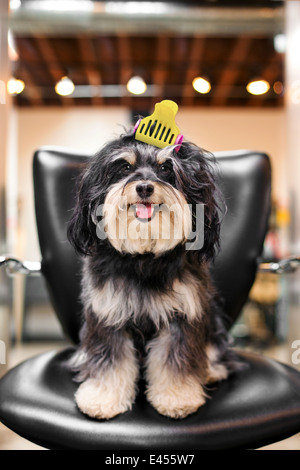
<point>255,407</point>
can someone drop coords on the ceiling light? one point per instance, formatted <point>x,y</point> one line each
<point>65,86</point>
<point>15,4</point>
<point>278,88</point>
<point>280,43</point>
<point>258,87</point>
<point>15,86</point>
<point>201,85</point>
<point>57,6</point>
<point>136,85</point>
<point>137,8</point>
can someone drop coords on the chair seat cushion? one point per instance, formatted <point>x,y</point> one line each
<point>254,407</point>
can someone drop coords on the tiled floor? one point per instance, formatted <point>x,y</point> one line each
<point>11,441</point>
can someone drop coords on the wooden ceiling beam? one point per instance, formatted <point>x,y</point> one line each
<point>55,69</point>
<point>195,58</point>
<point>126,70</point>
<point>231,71</point>
<point>89,62</point>
<point>32,90</point>
<point>160,70</point>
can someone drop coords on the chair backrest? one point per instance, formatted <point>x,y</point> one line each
<point>245,180</point>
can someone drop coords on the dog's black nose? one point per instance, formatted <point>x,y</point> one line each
<point>144,189</point>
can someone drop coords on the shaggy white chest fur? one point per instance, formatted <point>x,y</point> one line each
<point>116,305</point>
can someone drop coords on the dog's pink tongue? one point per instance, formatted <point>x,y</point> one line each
<point>144,211</point>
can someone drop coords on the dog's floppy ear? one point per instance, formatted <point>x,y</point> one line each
<point>199,185</point>
<point>81,228</point>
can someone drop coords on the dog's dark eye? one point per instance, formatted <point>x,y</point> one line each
<point>165,170</point>
<point>126,168</point>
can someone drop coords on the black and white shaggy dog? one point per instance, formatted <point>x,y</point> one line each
<point>149,303</point>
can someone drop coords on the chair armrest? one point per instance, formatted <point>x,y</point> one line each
<point>286,265</point>
<point>13,266</point>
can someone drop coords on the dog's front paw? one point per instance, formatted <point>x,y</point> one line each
<point>216,371</point>
<point>177,400</point>
<point>96,399</point>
